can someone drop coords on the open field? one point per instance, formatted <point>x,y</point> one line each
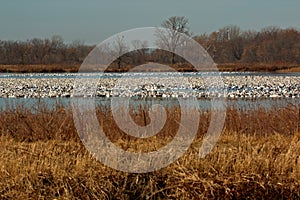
<point>225,67</point>
<point>259,67</point>
<point>257,156</point>
<point>42,68</point>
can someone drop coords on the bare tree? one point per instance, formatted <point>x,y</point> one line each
<point>172,38</point>
<point>118,49</point>
<point>208,42</point>
<point>139,55</point>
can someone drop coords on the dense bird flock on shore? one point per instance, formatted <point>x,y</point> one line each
<point>150,85</point>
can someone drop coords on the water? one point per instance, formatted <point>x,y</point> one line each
<point>135,103</point>
<point>137,74</point>
<point>204,104</point>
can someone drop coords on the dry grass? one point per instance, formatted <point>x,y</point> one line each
<point>42,68</point>
<point>289,70</point>
<point>257,156</point>
<point>259,67</point>
<point>181,67</point>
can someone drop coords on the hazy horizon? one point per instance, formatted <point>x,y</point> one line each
<point>93,21</point>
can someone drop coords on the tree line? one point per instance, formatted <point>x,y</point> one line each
<point>43,51</point>
<point>269,45</point>
<point>229,44</point>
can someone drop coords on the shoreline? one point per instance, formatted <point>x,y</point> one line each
<point>223,67</point>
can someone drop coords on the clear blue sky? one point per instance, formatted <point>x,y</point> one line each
<point>94,20</point>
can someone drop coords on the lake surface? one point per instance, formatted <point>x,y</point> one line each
<point>135,103</point>
<point>204,104</point>
<point>137,74</point>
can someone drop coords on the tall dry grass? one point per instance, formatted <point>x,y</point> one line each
<point>257,156</point>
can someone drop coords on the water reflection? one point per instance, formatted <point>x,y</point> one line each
<point>136,103</point>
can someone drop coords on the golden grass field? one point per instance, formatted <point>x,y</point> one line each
<point>257,157</point>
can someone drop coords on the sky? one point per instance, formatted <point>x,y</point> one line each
<point>92,21</point>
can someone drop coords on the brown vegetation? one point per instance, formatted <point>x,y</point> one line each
<point>270,49</point>
<point>51,68</point>
<point>257,156</point>
<point>258,67</point>
<point>224,67</point>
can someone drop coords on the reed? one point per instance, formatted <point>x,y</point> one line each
<point>257,156</point>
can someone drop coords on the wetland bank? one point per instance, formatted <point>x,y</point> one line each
<point>257,154</point>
